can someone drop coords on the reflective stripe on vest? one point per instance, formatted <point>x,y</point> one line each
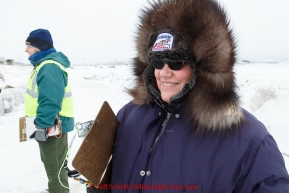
<point>31,96</point>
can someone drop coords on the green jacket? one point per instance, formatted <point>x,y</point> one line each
<point>51,81</point>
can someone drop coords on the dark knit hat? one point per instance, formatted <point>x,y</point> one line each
<point>40,38</point>
<point>165,44</point>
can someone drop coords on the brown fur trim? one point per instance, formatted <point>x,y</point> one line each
<point>203,24</point>
<point>139,92</point>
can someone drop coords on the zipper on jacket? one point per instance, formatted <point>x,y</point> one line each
<point>161,132</point>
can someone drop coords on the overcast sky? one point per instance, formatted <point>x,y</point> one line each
<point>95,31</point>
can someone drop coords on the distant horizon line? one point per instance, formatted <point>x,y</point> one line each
<point>126,62</point>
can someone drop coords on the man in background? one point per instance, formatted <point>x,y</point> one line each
<point>49,100</point>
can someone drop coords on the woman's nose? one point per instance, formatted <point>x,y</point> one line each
<point>166,71</point>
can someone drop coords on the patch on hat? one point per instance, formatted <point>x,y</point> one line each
<point>164,42</point>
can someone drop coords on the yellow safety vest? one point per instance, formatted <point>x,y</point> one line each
<point>31,95</point>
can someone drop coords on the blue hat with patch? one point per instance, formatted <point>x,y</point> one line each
<point>165,44</point>
<point>40,38</point>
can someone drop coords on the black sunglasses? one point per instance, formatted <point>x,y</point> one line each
<point>173,65</point>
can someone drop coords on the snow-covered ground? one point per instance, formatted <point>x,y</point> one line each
<point>263,87</point>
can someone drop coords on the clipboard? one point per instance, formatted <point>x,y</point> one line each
<point>93,157</point>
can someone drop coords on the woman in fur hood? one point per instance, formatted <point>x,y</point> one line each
<point>184,130</point>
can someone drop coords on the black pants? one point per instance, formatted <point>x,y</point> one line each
<point>89,190</point>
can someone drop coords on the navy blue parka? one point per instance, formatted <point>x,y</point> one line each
<point>156,150</point>
<point>202,140</point>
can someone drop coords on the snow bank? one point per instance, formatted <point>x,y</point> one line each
<point>10,98</point>
<point>12,87</point>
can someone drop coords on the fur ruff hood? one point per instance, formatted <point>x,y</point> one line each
<point>212,103</point>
